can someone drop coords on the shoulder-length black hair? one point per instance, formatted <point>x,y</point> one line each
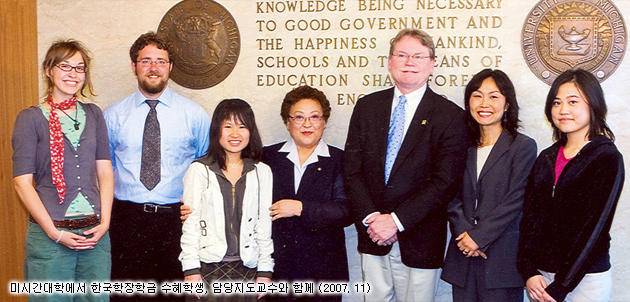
<point>592,91</point>
<point>240,110</point>
<point>510,121</point>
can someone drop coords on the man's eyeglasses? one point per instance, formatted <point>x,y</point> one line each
<point>147,62</point>
<point>401,56</point>
<point>68,68</point>
<point>314,119</point>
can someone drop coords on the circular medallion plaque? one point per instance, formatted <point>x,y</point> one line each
<point>206,42</point>
<point>570,34</point>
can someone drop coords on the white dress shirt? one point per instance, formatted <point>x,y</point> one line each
<point>298,170</point>
<point>413,100</point>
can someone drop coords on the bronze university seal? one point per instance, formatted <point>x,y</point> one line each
<point>206,42</point>
<point>568,34</point>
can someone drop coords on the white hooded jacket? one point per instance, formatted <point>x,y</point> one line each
<point>203,194</point>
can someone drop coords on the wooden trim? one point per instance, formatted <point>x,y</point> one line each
<point>18,90</point>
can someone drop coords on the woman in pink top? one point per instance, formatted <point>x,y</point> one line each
<point>571,197</point>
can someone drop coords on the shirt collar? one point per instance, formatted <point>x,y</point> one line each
<point>165,98</point>
<point>320,150</point>
<point>412,97</point>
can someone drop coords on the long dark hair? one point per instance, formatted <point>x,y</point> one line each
<point>592,91</point>
<point>510,121</point>
<point>241,111</point>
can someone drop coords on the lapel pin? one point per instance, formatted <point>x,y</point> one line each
<point>319,168</point>
<point>424,122</point>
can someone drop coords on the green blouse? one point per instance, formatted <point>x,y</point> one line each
<point>80,206</point>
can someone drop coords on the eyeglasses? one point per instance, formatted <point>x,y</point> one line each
<point>300,119</point>
<point>401,56</point>
<point>68,68</point>
<point>147,62</point>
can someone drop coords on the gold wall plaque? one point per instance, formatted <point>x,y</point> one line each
<point>568,34</point>
<point>206,42</point>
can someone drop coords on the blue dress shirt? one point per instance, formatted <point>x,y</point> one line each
<point>185,130</point>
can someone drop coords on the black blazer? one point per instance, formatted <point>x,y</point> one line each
<point>424,179</point>
<point>499,194</point>
<point>313,245</point>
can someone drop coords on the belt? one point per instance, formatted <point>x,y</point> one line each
<point>73,224</point>
<point>156,208</point>
<point>147,207</point>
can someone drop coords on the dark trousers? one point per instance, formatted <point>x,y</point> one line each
<point>145,247</point>
<point>476,289</point>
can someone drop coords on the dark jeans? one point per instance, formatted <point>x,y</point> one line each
<point>145,247</point>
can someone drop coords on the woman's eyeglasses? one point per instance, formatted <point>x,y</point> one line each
<point>68,68</point>
<point>300,119</point>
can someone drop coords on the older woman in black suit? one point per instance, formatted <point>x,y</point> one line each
<point>310,210</point>
<point>481,258</point>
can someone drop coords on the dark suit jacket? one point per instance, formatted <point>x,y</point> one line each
<point>424,179</point>
<point>313,245</point>
<point>499,194</point>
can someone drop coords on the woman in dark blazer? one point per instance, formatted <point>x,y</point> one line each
<point>481,258</point>
<point>310,209</point>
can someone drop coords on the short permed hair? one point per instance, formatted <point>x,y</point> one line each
<point>300,93</point>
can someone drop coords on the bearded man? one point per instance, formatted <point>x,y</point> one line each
<point>154,135</point>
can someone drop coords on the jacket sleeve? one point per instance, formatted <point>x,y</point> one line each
<point>262,230</point>
<point>359,198</point>
<point>456,217</point>
<point>333,212</point>
<point>445,176</point>
<point>24,142</point>
<point>529,226</point>
<point>195,182</point>
<point>510,208</point>
<point>608,181</point>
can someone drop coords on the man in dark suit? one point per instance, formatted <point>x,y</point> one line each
<point>403,163</point>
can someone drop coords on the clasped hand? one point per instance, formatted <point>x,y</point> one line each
<point>382,229</point>
<point>536,286</point>
<point>285,208</point>
<point>468,246</point>
<point>78,242</point>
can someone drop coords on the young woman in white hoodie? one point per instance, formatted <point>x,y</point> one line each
<point>227,238</point>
